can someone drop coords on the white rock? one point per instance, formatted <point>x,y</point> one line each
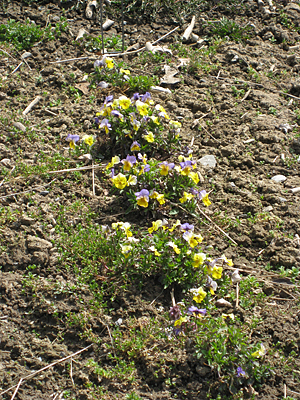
<point>208,161</point>
<point>278,178</point>
<point>223,303</point>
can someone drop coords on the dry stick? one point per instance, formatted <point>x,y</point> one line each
<point>115,54</point>
<point>93,177</point>
<point>71,372</point>
<point>173,298</point>
<point>284,391</point>
<point>111,339</point>
<point>7,175</point>
<point>237,295</point>
<point>47,367</point>
<point>8,54</point>
<point>16,69</point>
<point>217,226</point>
<point>246,95</point>
<point>74,169</point>
<point>26,191</point>
<point>31,105</point>
<point>292,391</point>
<point>50,112</point>
<point>17,388</point>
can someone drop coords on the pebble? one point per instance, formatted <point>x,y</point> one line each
<point>26,55</point>
<point>44,192</point>
<point>268,209</point>
<point>208,161</point>
<point>278,178</point>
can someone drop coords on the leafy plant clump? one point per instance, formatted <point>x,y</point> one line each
<point>108,73</point>
<point>22,36</point>
<point>229,28</point>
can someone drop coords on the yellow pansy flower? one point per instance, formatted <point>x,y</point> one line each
<point>150,137</point>
<point>155,226</point>
<point>200,295</point>
<point>199,259</point>
<point>88,139</point>
<point>186,196</point>
<point>109,62</point>
<point>119,181</point>
<point>124,102</point>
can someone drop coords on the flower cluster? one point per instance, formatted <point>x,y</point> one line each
<point>85,142</point>
<point>150,183</point>
<point>137,124</point>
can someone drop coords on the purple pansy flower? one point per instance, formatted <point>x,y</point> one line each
<point>106,125</point>
<point>146,97</point>
<point>194,310</point>
<point>187,227</point>
<point>72,139</point>
<point>116,113</point>
<point>99,63</point>
<point>128,162</point>
<point>240,372</point>
<point>135,96</point>
<point>135,146</point>
<point>175,312</point>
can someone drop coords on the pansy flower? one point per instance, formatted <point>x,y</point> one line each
<point>204,197</point>
<point>149,137</point>
<point>142,158</point>
<point>109,62</point>
<point>165,167</point>
<point>159,197</point>
<point>126,249</point>
<point>174,247</point>
<point>132,180</point>
<point>146,97</point>
<point>187,227</point>
<point>135,146</point>
<point>106,125</point>
<point>155,226</point>
<point>124,71</point>
<point>154,250</point>
<point>128,162</point>
<point>72,139</point>
<point>240,372</point>
<point>194,177</point>
<point>124,102</point>
<point>135,96</point>
<point>235,276</point>
<point>186,197</point>
<point>211,285</point>
<point>142,107</point>
<point>162,111</point>
<point>99,64</point>
<point>192,239</point>
<point>198,259</point>
<point>144,168</point>
<point>196,311</point>
<point>186,167</point>
<point>155,119</point>
<point>199,295</point>
<point>88,139</point>
<point>142,198</point>
<point>115,160</point>
<point>117,114</point>
<point>119,181</point>
<point>260,352</point>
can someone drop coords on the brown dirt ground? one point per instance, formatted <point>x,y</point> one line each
<point>31,334</point>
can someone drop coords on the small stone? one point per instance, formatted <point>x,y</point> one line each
<point>44,192</point>
<point>26,55</point>
<point>268,209</point>
<point>278,178</point>
<point>6,162</point>
<point>282,199</point>
<point>232,184</point>
<point>208,161</point>
<point>202,371</point>
<point>223,303</point>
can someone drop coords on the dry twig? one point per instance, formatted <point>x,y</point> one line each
<point>43,369</point>
<point>217,226</point>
